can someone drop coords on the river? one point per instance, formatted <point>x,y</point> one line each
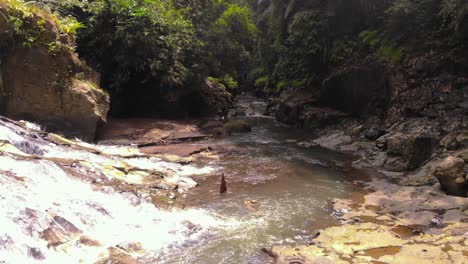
<point>278,193</point>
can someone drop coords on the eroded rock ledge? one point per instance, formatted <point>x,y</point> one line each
<point>49,86</point>
<point>66,201</point>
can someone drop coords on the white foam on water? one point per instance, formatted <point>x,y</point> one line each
<point>181,170</point>
<point>105,217</point>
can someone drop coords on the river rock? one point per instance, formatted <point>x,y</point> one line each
<point>35,253</point>
<point>373,134</point>
<point>56,90</point>
<point>333,141</point>
<point>237,126</point>
<point>187,183</point>
<point>317,117</point>
<point>118,256</point>
<point>60,231</point>
<point>290,106</point>
<point>452,177</point>
<point>414,148</point>
<point>215,98</point>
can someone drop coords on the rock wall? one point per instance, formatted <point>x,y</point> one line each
<point>201,98</point>
<point>399,118</point>
<point>52,88</point>
<point>356,90</point>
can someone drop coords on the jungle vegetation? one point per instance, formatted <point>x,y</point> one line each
<point>266,45</point>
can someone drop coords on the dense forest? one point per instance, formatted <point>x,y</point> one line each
<point>148,49</point>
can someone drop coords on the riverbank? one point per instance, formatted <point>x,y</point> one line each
<point>417,212</point>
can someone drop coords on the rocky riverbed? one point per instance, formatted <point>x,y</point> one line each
<point>417,212</point>
<point>67,201</point>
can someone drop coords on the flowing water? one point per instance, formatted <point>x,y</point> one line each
<point>278,193</point>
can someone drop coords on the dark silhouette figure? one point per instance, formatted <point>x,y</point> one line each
<point>223,186</point>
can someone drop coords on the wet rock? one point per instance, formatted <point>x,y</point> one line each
<point>291,105</point>
<point>191,228</point>
<point>333,141</point>
<point>237,126</point>
<point>304,255</point>
<point>35,253</point>
<point>85,240</point>
<point>369,158</point>
<point>60,232</point>
<point>117,256</point>
<point>373,134</point>
<point>452,177</point>
<point>130,247</point>
<point>306,144</point>
<point>213,127</point>
<point>423,218</point>
<point>6,242</point>
<point>187,183</point>
<point>423,176</point>
<point>463,155</point>
<point>415,149</point>
<point>29,148</point>
<point>238,111</point>
<point>317,117</point>
<point>454,216</point>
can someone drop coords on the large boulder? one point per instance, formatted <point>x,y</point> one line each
<point>317,117</point>
<point>410,144</point>
<point>452,177</point>
<point>52,87</point>
<point>415,149</point>
<point>213,98</point>
<point>291,106</point>
<point>356,90</point>
<point>198,98</point>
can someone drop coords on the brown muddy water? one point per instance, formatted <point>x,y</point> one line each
<point>278,193</point>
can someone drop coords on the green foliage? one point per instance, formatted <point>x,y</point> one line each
<point>134,42</point>
<point>229,82</point>
<point>70,26</point>
<point>261,82</point>
<point>231,40</point>
<point>342,49</point>
<point>237,20</point>
<point>390,54</point>
<point>28,22</point>
<point>305,33</point>
<point>226,82</point>
<point>370,38</point>
<point>280,86</point>
<point>383,50</point>
<point>27,29</point>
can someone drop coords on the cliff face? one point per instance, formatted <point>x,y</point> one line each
<point>45,81</point>
<point>402,118</point>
